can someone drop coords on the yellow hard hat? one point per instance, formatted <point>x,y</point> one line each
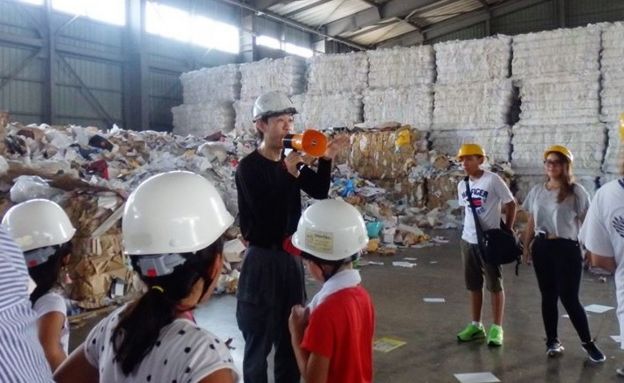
<point>561,150</point>
<point>470,150</point>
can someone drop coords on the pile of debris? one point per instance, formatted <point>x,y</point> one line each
<point>90,173</point>
<point>399,186</point>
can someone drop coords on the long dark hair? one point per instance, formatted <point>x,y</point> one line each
<point>140,324</point>
<point>46,275</point>
<point>567,178</point>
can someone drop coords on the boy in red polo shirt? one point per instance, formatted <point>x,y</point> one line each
<point>333,336</point>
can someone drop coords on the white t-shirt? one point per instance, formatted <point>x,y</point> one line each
<point>488,193</point>
<point>53,302</point>
<point>603,234</point>
<point>561,219</point>
<point>184,352</point>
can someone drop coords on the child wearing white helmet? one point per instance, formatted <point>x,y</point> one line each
<point>172,230</point>
<point>43,231</point>
<point>333,336</point>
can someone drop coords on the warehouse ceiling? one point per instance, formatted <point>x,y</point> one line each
<point>373,22</point>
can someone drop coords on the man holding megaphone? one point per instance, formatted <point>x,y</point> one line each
<point>269,185</point>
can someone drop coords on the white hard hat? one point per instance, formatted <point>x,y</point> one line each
<point>173,212</point>
<point>272,103</point>
<point>38,223</point>
<point>331,230</point>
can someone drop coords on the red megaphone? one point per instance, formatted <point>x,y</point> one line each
<point>311,142</point>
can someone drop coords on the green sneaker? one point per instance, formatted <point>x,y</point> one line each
<point>495,336</point>
<point>471,332</point>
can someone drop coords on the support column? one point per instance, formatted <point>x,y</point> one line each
<point>51,66</point>
<point>136,97</point>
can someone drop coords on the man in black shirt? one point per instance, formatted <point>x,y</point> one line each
<point>269,199</point>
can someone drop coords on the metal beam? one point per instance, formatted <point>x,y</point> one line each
<point>18,69</point>
<point>20,41</point>
<point>30,42</point>
<point>261,5</point>
<point>90,55</point>
<point>311,5</point>
<point>373,15</point>
<point>295,24</point>
<point>475,17</point>
<point>373,28</point>
<point>87,94</point>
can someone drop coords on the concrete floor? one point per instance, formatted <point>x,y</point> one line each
<point>432,353</point>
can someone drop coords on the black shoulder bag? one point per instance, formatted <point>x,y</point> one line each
<point>498,246</point>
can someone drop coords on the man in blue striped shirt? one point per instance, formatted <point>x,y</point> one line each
<point>21,355</point>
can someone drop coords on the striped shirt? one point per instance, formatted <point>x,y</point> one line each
<point>21,355</point>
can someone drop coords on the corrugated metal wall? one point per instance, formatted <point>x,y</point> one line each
<point>582,12</point>
<point>476,31</point>
<point>22,96</point>
<point>543,16</point>
<point>91,63</point>
<point>91,53</point>
<point>536,18</point>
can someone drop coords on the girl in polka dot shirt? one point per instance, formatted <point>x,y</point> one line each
<point>175,245</point>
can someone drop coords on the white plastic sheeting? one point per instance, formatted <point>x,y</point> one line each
<point>401,67</point>
<point>329,74</point>
<point>332,110</point>
<point>220,83</point>
<point>496,142</point>
<point>475,105</point>
<point>587,143</point>
<point>473,60</point>
<point>560,99</point>
<point>203,119</point>
<point>571,51</point>
<point>411,106</point>
<point>286,75</point>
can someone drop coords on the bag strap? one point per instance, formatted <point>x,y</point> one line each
<point>475,216</point>
<point>480,238</point>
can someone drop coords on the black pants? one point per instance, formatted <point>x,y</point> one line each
<point>558,265</point>
<point>271,282</point>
